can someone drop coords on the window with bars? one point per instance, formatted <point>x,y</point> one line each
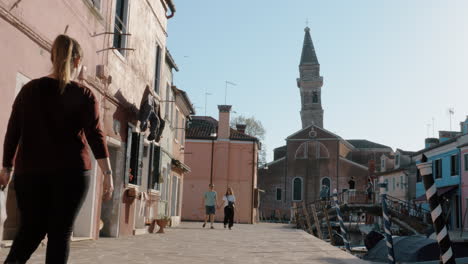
<point>120,25</point>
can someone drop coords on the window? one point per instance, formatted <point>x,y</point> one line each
<point>397,160</point>
<point>418,176</point>
<point>168,95</point>
<point>157,69</point>
<point>278,194</point>
<point>437,168</point>
<point>172,111</point>
<point>315,98</point>
<point>401,182</point>
<point>182,133</point>
<point>176,125</point>
<point>454,166</point>
<point>120,25</point>
<point>466,162</point>
<point>382,164</point>
<point>136,158</point>
<point>297,189</point>
<point>386,184</point>
<point>154,175</point>
<point>393,180</point>
<point>326,182</point>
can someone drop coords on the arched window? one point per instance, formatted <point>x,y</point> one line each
<point>297,189</point>
<point>312,150</point>
<point>315,98</point>
<point>326,182</point>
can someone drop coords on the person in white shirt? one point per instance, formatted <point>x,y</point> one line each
<point>229,201</point>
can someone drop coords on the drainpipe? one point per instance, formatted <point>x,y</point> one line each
<point>253,182</point>
<point>212,153</point>
<point>171,7</point>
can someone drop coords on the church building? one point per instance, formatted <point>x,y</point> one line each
<point>313,156</point>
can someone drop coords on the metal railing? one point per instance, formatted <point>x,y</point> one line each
<point>403,208</point>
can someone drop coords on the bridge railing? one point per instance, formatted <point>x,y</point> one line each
<point>406,209</point>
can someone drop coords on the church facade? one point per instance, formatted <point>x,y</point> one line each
<point>313,156</point>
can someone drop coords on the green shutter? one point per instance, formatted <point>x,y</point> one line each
<point>141,147</point>
<point>156,167</point>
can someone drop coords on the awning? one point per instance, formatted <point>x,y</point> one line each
<point>440,191</point>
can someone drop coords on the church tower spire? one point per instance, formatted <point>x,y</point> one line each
<point>310,84</point>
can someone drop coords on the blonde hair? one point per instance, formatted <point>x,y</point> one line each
<point>229,189</point>
<point>64,51</point>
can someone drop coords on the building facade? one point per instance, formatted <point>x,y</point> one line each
<point>447,172</point>
<point>464,184</point>
<point>226,157</point>
<point>124,62</point>
<point>399,175</point>
<point>313,156</point>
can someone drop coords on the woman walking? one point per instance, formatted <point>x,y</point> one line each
<point>52,121</point>
<point>229,207</point>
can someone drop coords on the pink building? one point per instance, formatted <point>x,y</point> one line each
<point>125,54</point>
<point>218,154</point>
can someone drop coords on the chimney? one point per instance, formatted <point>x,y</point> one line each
<point>224,128</point>
<point>429,142</point>
<point>241,127</point>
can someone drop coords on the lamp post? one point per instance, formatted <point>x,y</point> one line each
<point>213,136</point>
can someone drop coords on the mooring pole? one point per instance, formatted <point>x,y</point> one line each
<point>340,219</point>
<point>437,215</point>
<point>387,223</point>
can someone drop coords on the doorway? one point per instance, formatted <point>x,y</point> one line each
<point>110,210</point>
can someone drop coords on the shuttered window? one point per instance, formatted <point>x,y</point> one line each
<point>155,167</point>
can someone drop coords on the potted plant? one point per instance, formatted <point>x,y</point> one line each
<point>162,222</point>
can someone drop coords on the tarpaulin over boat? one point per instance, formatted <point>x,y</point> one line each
<point>413,249</point>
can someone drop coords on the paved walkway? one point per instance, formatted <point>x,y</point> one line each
<point>189,243</point>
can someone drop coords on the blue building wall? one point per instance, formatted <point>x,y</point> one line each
<point>446,180</point>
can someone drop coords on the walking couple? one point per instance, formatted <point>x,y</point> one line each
<point>228,201</point>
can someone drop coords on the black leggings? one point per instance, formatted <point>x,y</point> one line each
<point>229,216</point>
<point>48,204</point>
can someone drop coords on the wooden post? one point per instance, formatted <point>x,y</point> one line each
<point>307,217</point>
<point>330,231</point>
<point>317,223</point>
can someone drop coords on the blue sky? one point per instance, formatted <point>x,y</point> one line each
<point>389,67</point>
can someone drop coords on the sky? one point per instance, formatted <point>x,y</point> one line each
<point>391,69</point>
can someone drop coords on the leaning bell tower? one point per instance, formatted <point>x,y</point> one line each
<point>310,84</point>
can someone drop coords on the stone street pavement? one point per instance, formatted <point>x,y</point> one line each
<point>190,243</point>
